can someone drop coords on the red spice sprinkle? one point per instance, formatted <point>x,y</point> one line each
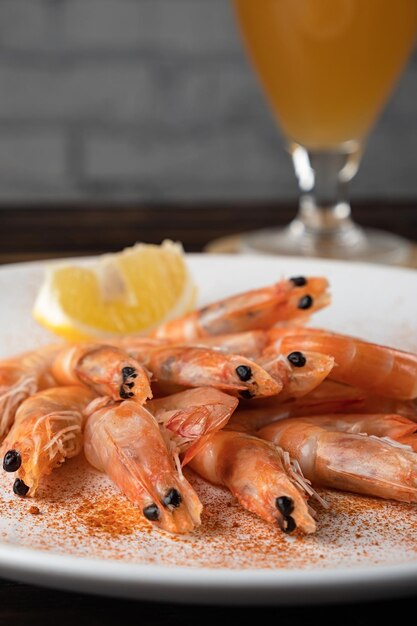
<point>114,516</point>
<point>34,510</point>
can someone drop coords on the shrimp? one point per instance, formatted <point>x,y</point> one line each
<point>396,427</point>
<point>20,377</point>
<point>298,372</point>
<point>137,347</point>
<point>259,475</point>
<point>333,397</point>
<point>107,369</point>
<point>124,441</point>
<point>328,397</point>
<point>250,343</point>
<point>349,461</point>
<point>188,417</point>
<point>46,431</point>
<point>293,299</point>
<point>379,369</point>
<point>200,367</point>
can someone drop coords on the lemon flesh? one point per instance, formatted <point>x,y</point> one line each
<point>128,292</point>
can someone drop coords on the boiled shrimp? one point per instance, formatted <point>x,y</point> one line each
<point>378,369</point>
<point>21,377</point>
<point>293,299</point>
<point>46,431</point>
<point>250,343</point>
<point>108,370</point>
<point>371,465</point>
<point>203,367</point>
<point>333,397</point>
<point>124,441</point>
<point>186,418</point>
<point>330,397</point>
<point>259,476</point>
<point>298,372</point>
<point>396,427</point>
<point>137,347</point>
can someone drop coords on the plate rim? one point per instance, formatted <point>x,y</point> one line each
<point>197,585</point>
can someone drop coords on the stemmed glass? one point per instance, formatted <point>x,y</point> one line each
<point>327,68</point>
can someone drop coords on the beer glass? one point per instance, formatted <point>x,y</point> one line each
<point>327,68</point>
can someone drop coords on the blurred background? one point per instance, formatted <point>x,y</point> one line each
<point>154,101</point>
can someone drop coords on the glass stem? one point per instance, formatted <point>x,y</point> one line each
<point>323,218</point>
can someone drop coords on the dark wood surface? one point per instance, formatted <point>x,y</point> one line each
<point>34,232</point>
<point>33,606</point>
<point>43,231</point>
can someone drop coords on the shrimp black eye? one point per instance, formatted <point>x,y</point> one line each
<point>285,505</point>
<point>12,461</point>
<point>127,372</point>
<point>298,281</point>
<point>123,393</point>
<point>20,488</point>
<point>151,512</point>
<point>290,524</point>
<point>297,359</point>
<point>246,394</point>
<point>172,499</point>
<point>306,302</point>
<point>244,372</point>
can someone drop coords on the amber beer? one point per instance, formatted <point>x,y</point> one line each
<point>327,66</point>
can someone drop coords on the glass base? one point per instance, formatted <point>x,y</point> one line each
<point>353,244</point>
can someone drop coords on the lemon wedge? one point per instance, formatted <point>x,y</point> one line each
<point>128,292</point>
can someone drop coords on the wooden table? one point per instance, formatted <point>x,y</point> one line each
<point>36,232</point>
<point>28,233</point>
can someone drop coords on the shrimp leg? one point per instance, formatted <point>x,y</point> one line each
<point>258,475</point>
<point>186,418</point>
<point>349,461</point>
<point>20,377</point>
<point>124,441</point>
<point>46,431</point>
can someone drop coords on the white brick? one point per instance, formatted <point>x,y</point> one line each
<point>159,25</point>
<point>240,154</point>
<point>388,169</point>
<point>219,93</point>
<point>89,90</point>
<point>247,190</point>
<point>162,94</point>
<point>32,158</point>
<point>28,24</point>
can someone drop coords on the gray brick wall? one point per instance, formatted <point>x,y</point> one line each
<point>155,100</point>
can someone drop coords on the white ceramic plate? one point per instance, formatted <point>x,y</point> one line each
<point>88,538</point>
